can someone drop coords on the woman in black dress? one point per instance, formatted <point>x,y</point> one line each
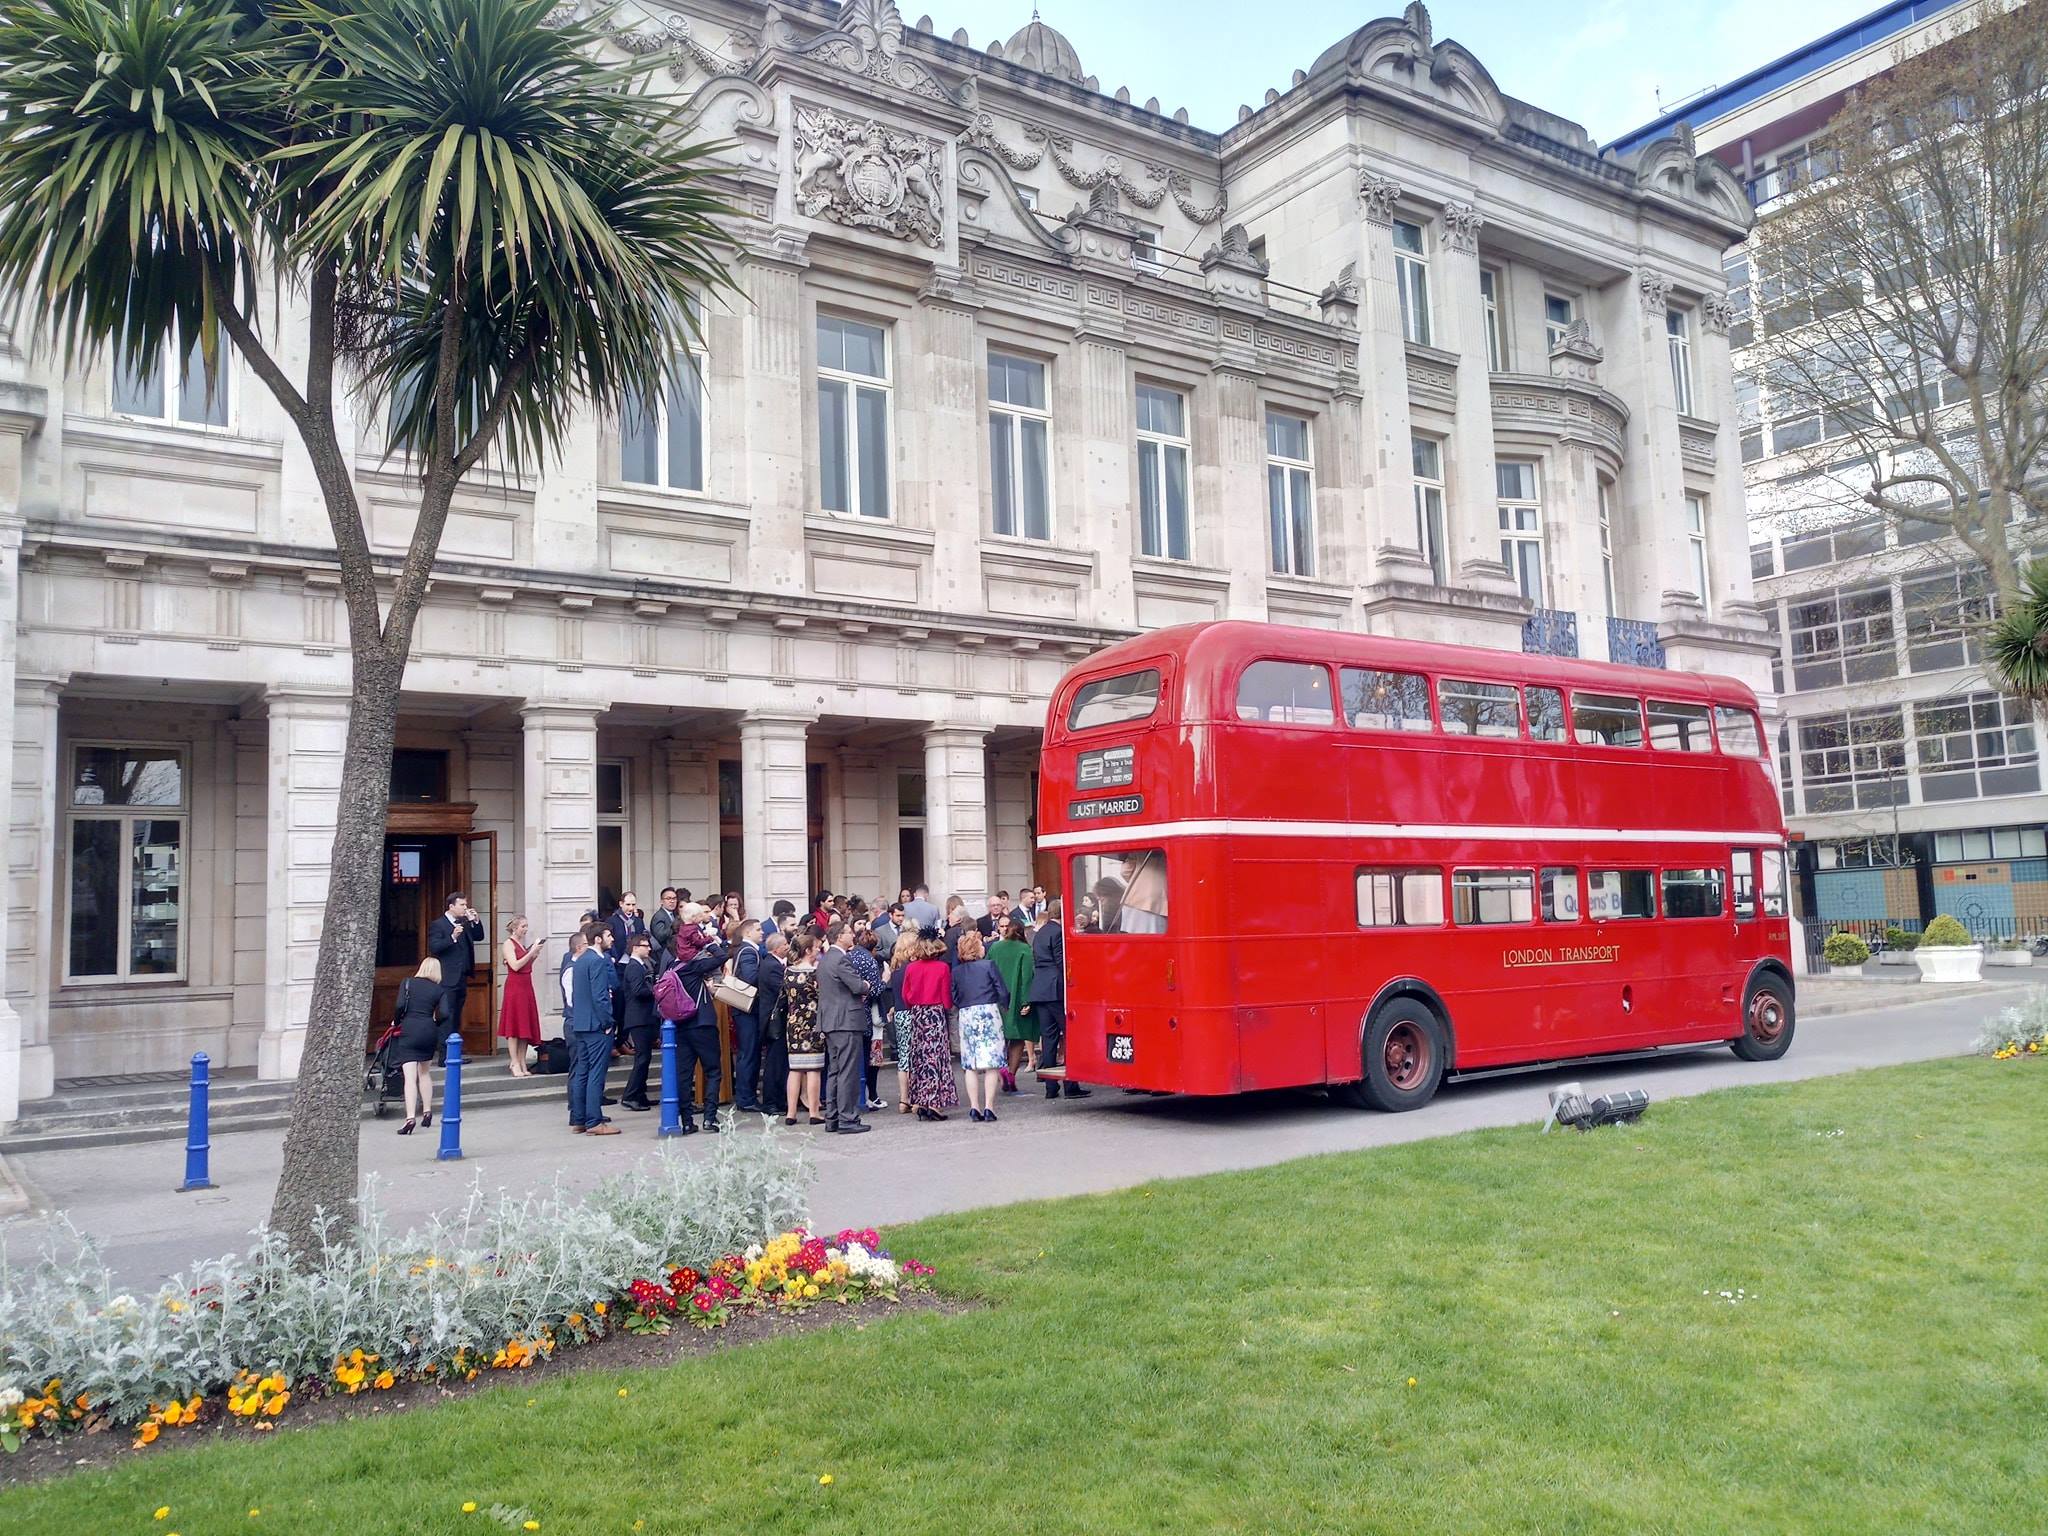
<point>422,1026</point>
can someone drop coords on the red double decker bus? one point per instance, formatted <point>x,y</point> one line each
<point>1290,856</point>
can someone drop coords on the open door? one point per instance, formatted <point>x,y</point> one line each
<point>480,878</point>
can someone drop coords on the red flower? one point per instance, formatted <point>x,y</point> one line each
<point>701,1302</point>
<point>684,1279</point>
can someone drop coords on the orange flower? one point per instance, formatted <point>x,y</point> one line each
<point>385,1380</point>
<point>148,1435</point>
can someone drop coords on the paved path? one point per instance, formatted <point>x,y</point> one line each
<point>905,1170</point>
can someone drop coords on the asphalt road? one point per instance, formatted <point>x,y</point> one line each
<point>124,1196</point>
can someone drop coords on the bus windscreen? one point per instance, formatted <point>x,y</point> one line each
<point>1114,700</point>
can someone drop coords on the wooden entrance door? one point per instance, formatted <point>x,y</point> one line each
<point>480,879</point>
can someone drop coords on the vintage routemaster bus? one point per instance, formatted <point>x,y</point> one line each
<point>1290,856</point>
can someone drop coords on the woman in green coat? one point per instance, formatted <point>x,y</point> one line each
<point>1011,956</point>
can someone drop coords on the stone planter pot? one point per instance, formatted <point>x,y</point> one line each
<point>1845,970</point>
<point>1896,957</point>
<point>2008,957</point>
<point>1950,962</point>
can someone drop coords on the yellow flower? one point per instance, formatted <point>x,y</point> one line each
<point>533,1525</point>
<point>469,1508</point>
<point>810,1291</point>
<point>163,1513</point>
<point>254,1513</point>
<point>276,1405</point>
<point>148,1436</point>
<point>826,1479</point>
<point>1411,1381</point>
<point>599,1309</point>
<point>622,1391</point>
<point>385,1380</point>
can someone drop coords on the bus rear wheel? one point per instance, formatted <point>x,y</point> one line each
<point>1403,1061</point>
<point>1766,1021</point>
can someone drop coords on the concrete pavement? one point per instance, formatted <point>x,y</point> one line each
<point>906,1170</point>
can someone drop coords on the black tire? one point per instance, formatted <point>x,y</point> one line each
<point>1403,1059</point>
<point>1767,1020</point>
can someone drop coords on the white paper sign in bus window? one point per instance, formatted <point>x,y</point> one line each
<point>1603,894</point>
<point>1108,768</point>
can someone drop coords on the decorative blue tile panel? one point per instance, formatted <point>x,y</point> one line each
<point>1849,895</point>
<point>1633,643</point>
<point>1551,632</point>
<point>1978,907</point>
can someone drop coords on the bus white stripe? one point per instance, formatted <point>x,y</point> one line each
<point>1161,830</point>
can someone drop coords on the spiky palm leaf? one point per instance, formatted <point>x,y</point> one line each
<point>2018,642</point>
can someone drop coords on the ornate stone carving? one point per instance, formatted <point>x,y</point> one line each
<point>1338,302</point>
<point>1182,188</point>
<point>869,42</point>
<point>1576,355</point>
<point>1461,227</point>
<point>1104,211</point>
<point>1716,314</point>
<point>1654,289</point>
<point>1378,194</point>
<point>981,134</point>
<point>863,174</point>
<point>671,33</point>
<point>1235,250</point>
<point>1109,173</point>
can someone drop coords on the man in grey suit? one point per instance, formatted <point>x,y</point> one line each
<point>843,1020</point>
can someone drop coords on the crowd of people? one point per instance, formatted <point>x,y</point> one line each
<point>821,1004</point>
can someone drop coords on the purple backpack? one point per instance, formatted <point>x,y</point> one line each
<point>672,998</point>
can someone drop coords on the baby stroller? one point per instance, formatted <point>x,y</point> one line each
<point>382,1074</point>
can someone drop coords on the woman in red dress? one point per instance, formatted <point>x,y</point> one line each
<point>519,1014</point>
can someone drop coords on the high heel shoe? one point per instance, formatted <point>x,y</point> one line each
<point>427,1121</point>
<point>406,1129</point>
<point>789,1119</point>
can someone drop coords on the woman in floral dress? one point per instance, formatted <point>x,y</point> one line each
<point>806,1041</point>
<point>980,994</point>
<point>927,992</point>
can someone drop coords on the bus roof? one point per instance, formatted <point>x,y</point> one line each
<point>1218,647</point>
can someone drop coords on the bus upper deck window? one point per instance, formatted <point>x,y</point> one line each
<point>1679,727</point>
<point>1114,700</point>
<point>1546,714</point>
<point>1606,720</point>
<point>1479,709</point>
<point>1285,693</point>
<point>1386,701</point>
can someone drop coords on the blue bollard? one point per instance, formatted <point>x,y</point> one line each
<point>451,1104</point>
<point>671,1098</point>
<point>196,1143</point>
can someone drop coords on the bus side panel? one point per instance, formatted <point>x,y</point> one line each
<point>1283,961</point>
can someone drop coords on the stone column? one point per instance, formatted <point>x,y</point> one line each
<point>692,819</point>
<point>1107,399</point>
<point>775,812</point>
<point>777,485</point>
<point>302,788</point>
<point>1638,368</point>
<point>1727,509</point>
<point>1231,473</point>
<point>1472,536</point>
<point>1010,800</point>
<point>557,818</point>
<point>940,487</point>
<point>858,823</point>
<point>956,814</point>
<point>25,1064</point>
<point>32,889</point>
<point>1386,429</point>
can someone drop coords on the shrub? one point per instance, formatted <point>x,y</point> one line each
<point>1845,949</point>
<point>481,1286</point>
<point>1901,938</point>
<point>2019,1030</point>
<point>1945,930</point>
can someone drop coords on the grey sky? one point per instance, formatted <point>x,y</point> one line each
<point>1599,63</point>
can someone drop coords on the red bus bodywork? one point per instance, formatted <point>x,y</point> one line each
<point>1266,975</point>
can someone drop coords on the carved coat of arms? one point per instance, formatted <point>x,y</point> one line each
<point>859,172</point>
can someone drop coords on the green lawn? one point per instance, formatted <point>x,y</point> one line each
<point>1232,1354</point>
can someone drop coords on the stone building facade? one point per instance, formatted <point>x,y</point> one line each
<point>1014,367</point>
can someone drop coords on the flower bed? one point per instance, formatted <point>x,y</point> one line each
<point>2017,1031</point>
<point>497,1287</point>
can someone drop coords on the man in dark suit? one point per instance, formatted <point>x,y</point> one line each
<point>774,1039</point>
<point>990,924</point>
<point>590,1036</point>
<point>637,1019</point>
<point>843,1020</point>
<point>452,940</point>
<point>747,1027</point>
<point>1046,1001</point>
<point>626,924</point>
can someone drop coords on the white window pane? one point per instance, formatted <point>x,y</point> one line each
<point>831,343</point>
<point>1303,523</point>
<point>1177,503</point>
<point>1286,436</point>
<point>1407,237</point>
<point>1515,482</point>
<point>834,467</point>
<point>1427,454</point>
<point>1002,473</point>
<point>686,430</point>
<point>1037,498</point>
<point>202,393</point>
<point>1276,515</point>
<point>156,895</point>
<point>135,395</point>
<point>872,408</point>
<point>637,443</point>
<point>1151,527</point>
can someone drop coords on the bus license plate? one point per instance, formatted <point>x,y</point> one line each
<point>1122,1048</point>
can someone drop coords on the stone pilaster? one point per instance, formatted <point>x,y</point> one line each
<point>1010,822</point>
<point>1107,517</point>
<point>692,820</point>
<point>943,488</point>
<point>1230,476</point>
<point>1472,536</point>
<point>857,825</point>
<point>557,817</point>
<point>777,403</point>
<point>773,798</point>
<point>1727,509</point>
<point>956,814</point>
<point>32,886</point>
<point>1385,426</point>
<point>1638,368</point>
<point>302,785</point>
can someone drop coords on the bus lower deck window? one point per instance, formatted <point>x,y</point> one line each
<point>1560,889</point>
<point>1120,892</point>
<point>1492,896</point>
<point>1619,893</point>
<point>1606,720</point>
<point>1400,898</point>
<point>1692,892</point>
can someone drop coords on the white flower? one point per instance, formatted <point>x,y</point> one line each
<point>10,1399</point>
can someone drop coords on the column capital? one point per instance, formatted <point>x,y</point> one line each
<point>39,687</point>
<point>279,700</point>
<point>767,718</point>
<point>542,709</point>
<point>956,735</point>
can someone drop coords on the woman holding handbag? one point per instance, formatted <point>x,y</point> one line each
<point>422,1015</point>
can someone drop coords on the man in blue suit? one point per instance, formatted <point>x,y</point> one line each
<point>590,1036</point>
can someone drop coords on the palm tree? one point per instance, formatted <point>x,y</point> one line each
<point>459,215</point>
<point>2018,643</point>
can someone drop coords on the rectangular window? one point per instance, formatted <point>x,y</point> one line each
<point>1854,761</point>
<point>1740,734</point>
<point>125,884</point>
<point>1385,701</point>
<point>1607,546</point>
<point>1842,637</point>
<point>1678,341</point>
<point>1427,457</point>
<point>1400,898</point>
<point>1606,720</point>
<point>1485,896</point>
<point>1479,709</point>
<point>1162,473</point>
<point>1620,893</point>
<point>193,395</point>
<point>1558,314</point>
<point>1696,547</point>
<point>1678,727</point>
<point>1114,700</point>
<point>1285,693</point>
<point>1411,277</point>
<point>1521,526</point>
<point>1774,883</point>
<point>853,417</point>
<point>662,430</point>
<point>1560,888</point>
<point>1019,428</point>
<point>1290,506</point>
<point>1120,892</point>
<point>1978,745</point>
<point>1546,714</point>
<point>1946,615</point>
<point>1693,892</point>
<point>1489,298</point>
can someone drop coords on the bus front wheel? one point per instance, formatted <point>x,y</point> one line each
<point>1403,1058</point>
<point>1766,1021</point>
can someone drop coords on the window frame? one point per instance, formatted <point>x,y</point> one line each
<point>1604,492</point>
<point>851,384</point>
<point>1516,540</point>
<point>1411,283</point>
<point>1446,684</point>
<point>1299,516</point>
<point>1578,892</point>
<point>1718,877</point>
<point>1648,873</point>
<point>1329,686</point>
<point>1431,529</point>
<point>696,360</point>
<point>1553,328</point>
<point>1695,511</point>
<point>1679,710</point>
<point>1678,346</point>
<point>1427,727</point>
<point>1606,700</point>
<point>1163,445</point>
<point>174,390</point>
<point>126,817</point>
<point>1400,874</point>
<point>1076,931</point>
<point>1527,890</point>
<point>1491,281</point>
<point>1748,717</point>
<point>1017,417</point>
<point>1564,715</point>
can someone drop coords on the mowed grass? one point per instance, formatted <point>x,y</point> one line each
<point>1233,1353</point>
